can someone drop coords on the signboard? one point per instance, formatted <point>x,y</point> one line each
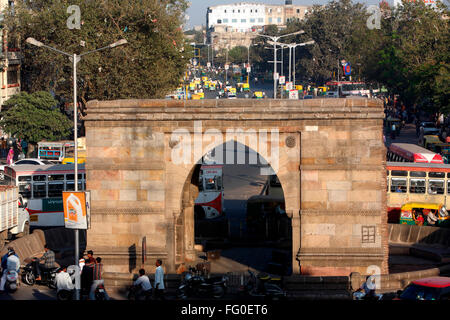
<point>75,213</point>
<point>194,62</point>
<point>282,80</point>
<point>347,69</point>
<point>249,69</point>
<point>52,204</point>
<point>293,94</point>
<point>227,67</point>
<point>208,64</point>
<point>289,85</point>
<point>276,76</point>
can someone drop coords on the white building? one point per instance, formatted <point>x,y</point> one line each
<point>240,17</point>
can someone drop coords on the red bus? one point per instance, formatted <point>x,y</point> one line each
<point>406,152</point>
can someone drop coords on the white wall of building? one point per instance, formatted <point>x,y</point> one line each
<point>239,16</point>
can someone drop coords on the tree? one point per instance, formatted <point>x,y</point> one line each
<point>35,117</point>
<point>149,66</point>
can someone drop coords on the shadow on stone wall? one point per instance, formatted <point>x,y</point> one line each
<point>132,258</point>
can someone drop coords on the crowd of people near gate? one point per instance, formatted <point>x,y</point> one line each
<point>12,149</point>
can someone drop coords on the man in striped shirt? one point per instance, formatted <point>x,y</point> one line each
<point>98,269</point>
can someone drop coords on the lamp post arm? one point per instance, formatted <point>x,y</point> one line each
<point>54,49</point>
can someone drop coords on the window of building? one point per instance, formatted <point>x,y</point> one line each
<point>225,10</point>
<point>234,20</point>
<point>279,10</point>
<point>279,20</point>
<point>243,20</point>
<point>256,10</point>
<point>270,20</point>
<point>219,21</point>
<point>225,20</point>
<point>270,10</point>
<point>298,10</point>
<point>239,11</point>
<point>12,76</point>
<point>260,20</point>
<point>233,10</point>
<point>252,20</point>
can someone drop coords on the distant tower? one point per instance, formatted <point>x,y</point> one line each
<point>288,2</point>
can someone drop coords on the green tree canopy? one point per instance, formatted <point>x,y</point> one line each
<point>35,117</point>
<point>150,65</point>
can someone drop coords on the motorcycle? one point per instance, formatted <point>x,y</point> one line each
<point>11,283</point>
<point>195,284</point>
<point>47,276</point>
<point>264,286</point>
<point>135,294</point>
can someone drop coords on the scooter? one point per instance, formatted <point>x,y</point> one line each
<point>194,284</point>
<point>11,283</point>
<point>264,287</point>
<point>47,276</point>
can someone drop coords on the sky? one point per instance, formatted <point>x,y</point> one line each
<point>197,10</point>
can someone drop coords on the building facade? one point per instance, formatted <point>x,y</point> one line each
<point>237,24</point>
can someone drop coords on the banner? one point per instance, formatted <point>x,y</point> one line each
<point>75,216</point>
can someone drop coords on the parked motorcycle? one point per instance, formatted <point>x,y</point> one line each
<point>134,294</point>
<point>47,276</point>
<point>195,284</point>
<point>264,286</point>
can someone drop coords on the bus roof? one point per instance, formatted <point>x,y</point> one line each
<point>415,153</point>
<point>63,168</point>
<point>423,205</point>
<point>415,165</point>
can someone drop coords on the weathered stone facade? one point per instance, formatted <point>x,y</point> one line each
<point>332,172</point>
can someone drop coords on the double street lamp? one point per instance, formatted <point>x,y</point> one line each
<point>75,59</point>
<point>275,41</point>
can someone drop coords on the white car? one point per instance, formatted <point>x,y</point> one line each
<point>32,161</point>
<point>427,128</point>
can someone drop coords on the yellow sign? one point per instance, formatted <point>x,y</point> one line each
<point>75,216</point>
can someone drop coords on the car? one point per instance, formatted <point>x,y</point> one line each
<point>433,288</point>
<point>231,95</point>
<point>308,97</point>
<point>28,161</point>
<point>332,94</point>
<point>428,128</point>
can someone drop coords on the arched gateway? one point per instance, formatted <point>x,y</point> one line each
<point>328,154</point>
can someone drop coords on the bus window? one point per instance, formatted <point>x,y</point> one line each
<point>55,177</point>
<point>210,184</point>
<point>398,185</point>
<point>39,178</point>
<point>398,173</point>
<point>39,190</point>
<point>72,176</point>
<point>436,174</point>
<point>25,190</point>
<point>70,186</point>
<point>436,186</point>
<point>417,186</point>
<point>24,179</point>
<point>200,184</point>
<point>417,174</point>
<point>55,190</point>
<point>219,183</point>
<point>448,186</point>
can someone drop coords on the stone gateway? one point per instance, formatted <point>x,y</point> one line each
<point>331,164</point>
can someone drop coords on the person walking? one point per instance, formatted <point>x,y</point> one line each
<point>24,145</point>
<point>10,157</point>
<point>159,280</point>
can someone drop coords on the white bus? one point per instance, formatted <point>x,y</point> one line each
<point>41,187</point>
<point>210,200</point>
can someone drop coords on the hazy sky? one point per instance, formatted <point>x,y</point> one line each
<point>197,10</point>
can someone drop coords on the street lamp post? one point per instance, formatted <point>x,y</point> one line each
<point>75,59</point>
<point>275,40</point>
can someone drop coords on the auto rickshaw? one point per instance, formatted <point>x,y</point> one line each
<point>196,97</point>
<point>245,87</point>
<point>416,213</point>
<point>212,86</point>
<point>258,95</point>
<point>428,140</point>
<point>322,91</point>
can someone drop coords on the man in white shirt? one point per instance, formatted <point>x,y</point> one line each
<point>12,264</point>
<point>159,281</point>
<point>64,281</point>
<point>144,286</point>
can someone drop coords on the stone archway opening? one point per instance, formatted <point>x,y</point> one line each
<point>234,210</point>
